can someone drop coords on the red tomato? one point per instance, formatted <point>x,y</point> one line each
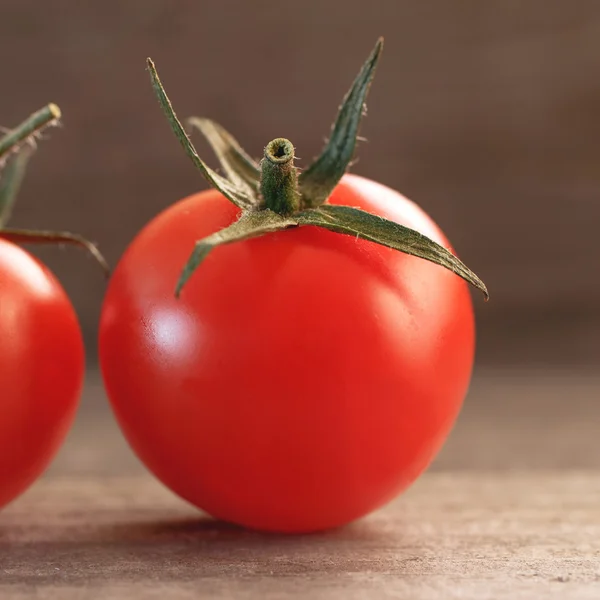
<point>303,379</point>
<point>41,368</point>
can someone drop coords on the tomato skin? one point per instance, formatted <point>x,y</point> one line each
<point>303,379</point>
<point>41,368</point>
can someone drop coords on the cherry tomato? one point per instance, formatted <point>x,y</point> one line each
<point>41,368</point>
<point>302,379</point>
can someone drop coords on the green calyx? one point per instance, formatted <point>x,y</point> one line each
<point>273,196</point>
<point>16,148</point>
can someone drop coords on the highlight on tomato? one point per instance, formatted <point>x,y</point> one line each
<point>288,350</point>
<point>41,349</point>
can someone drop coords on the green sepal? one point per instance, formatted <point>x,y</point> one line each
<point>318,181</point>
<point>237,164</point>
<point>28,236</point>
<point>364,225</point>
<point>339,219</point>
<point>249,225</point>
<point>232,192</point>
<point>10,183</point>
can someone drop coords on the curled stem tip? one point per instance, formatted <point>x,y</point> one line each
<point>280,151</point>
<point>54,110</point>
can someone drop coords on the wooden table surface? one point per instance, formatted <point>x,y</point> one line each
<point>511,509</point>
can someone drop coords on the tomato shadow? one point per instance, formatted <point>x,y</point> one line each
<point>172,530</point>
<point>201,528</point>
<point>188,549</point>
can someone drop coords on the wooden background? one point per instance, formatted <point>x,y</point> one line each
<point>486,113</point>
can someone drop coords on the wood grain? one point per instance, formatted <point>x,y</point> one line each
<point>454,535</point>
<point>511,510</point>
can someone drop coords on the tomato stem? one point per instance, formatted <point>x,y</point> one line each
<point>49,115</point>
<point>10,183</point>
<point>279,178</point>
<point>12,150</point>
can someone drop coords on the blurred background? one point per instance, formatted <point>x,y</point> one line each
<point>485,113</point>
